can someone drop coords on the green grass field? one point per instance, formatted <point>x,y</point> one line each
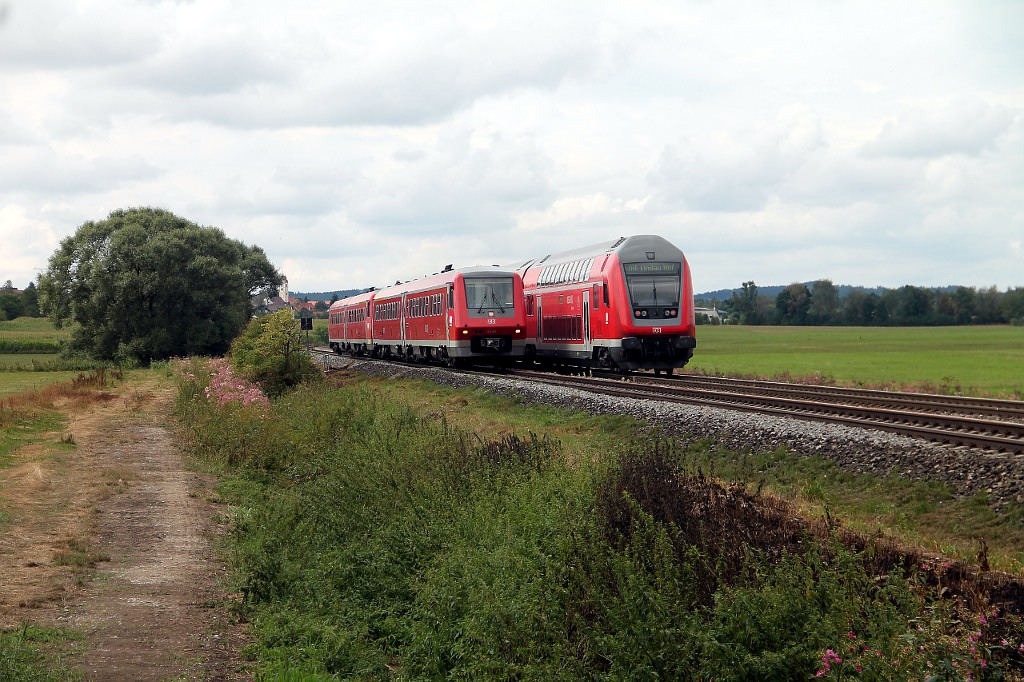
<point>973,360</point>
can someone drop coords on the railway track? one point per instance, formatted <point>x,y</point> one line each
<point>995,425</point>
<point>938,419</point>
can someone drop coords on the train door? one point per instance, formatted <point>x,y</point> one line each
<point>403,309</point>
<point>586,321</point>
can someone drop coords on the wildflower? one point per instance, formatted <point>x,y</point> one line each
<point>851,635</point>
<point>981,619</point>
<point>982,663</point>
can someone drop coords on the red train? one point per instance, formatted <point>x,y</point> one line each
<point>626,304</point>
<point>471,314</point>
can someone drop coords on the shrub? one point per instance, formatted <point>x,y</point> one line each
<point>270,352</point>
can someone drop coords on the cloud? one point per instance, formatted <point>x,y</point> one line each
<point>730,172</point>
<point>466,182</point>
<point>42,170</point>
<point>78,36</point>
<point>965,126</point>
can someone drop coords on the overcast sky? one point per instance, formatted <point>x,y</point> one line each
<point>357,143</point>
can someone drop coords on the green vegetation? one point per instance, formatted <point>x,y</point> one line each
<point>23,657</point>
<point>146,285</point>
<point>404,531</point>
<point>820,304</point>
<point>970,360</point>
<point>30,335</point>
<point>271,352</point>
<point>23,368</point>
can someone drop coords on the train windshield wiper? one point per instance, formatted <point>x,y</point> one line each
<point>494,297</point>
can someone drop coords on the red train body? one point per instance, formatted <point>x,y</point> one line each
<point>452,317</point>
<point>626,304</point>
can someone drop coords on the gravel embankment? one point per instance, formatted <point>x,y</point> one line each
<point>967,471</point>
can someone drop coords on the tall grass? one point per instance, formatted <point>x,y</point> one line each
<point>22,655</point>
<point>372,540</point>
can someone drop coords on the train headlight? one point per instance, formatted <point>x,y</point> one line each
<point>637,313</point>
<point>465,331</point>
<point>669,312</point>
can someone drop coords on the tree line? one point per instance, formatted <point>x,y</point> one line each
<point>14,303</point>
<point>821,304</point>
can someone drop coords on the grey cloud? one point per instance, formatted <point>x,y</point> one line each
<point>210,69</point>
<point>964,127</point>
<point>459,188</point>
<point>730,172</point>
<point>43,171</point>
<point>49,34</point>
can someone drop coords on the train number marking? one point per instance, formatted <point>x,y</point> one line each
<point>656,330</point>
<point>492,321</point>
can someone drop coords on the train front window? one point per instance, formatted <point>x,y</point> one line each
<point>653,285</point>
<point>489,296</point>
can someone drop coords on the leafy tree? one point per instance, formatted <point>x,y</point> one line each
<point>792,304</point>
<point>145,284</point>
<point>11,304</point>
<point>30,301</point>
<point>749,305</point>
<point>824,302</point>
<point>1012,305</point>
<point>271,352</point>
<point>859,308</point>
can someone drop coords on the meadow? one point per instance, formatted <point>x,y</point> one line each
<point>30,335</point>
<point>984,361</point>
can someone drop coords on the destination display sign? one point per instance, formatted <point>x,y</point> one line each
<point>651,268</point>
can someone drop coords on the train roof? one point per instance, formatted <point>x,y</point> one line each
<point>635,246</point>
<point>433,280</point>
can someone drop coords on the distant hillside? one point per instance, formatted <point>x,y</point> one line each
<point>325,295</point>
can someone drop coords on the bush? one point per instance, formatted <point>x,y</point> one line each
<point>270,352</point>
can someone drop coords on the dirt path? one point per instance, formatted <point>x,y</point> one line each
<point>123,501</point>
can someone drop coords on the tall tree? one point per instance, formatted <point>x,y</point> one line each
<point>11,305</point>
<point>30,301</point>
<point>748,305</point>
<point>824,302</point>
<point>792,304</point>
<point>145,284</point>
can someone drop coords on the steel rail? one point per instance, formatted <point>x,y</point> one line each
<point>1002,409</point>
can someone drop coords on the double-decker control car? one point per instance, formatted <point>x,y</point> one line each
<point>625,304</point>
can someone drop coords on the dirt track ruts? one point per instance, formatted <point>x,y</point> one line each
<point>155,606</point>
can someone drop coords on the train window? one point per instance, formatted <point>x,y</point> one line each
<point>490,295</point>
<point>529,305</point>
<point>653,284</point>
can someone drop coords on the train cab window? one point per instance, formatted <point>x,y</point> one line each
<point>489,296</point>
<point>653,284</point>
